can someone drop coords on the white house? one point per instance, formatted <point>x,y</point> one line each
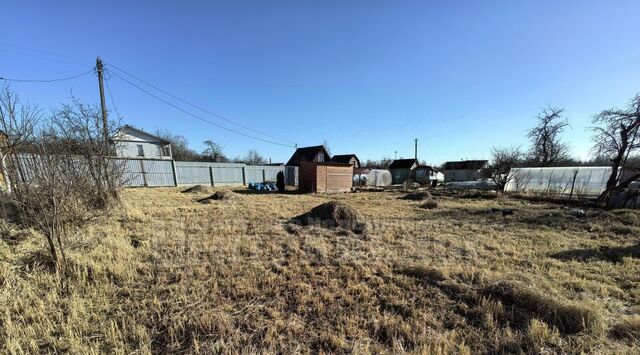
<point>131,142</point>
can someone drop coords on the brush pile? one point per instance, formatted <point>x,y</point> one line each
<point>333,215</point>
<point>220,196</point>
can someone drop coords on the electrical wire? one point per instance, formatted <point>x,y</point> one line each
<point>196,116</point>
<point>47,80</point>
<point>113,103</point>
<point>196,106</point>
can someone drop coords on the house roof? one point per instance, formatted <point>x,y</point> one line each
<point>402,163</point>
<point>465,165</point>
<point>344,158</point>
<point>154,138</point>
<point>307,154</point>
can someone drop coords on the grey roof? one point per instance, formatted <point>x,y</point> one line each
<point>402,163</point>
<point>157,139</point>
<point>344,158</point>
<point>465,165</point>
<point>307,154</point>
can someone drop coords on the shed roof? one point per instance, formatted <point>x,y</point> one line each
<point>465,165</point>
<point>403,163</point>
<point>344,158</point>
<point>307,154</point>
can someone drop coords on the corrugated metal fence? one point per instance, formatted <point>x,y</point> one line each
<point>164,172</point>
<point>149,172</point>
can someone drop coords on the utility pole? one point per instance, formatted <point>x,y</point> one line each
<point>103,105</point>
<point>416,149</point>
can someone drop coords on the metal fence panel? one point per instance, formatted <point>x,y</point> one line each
<point>227,175</point>
<point>158,172</point>
<point>271,172</point>
<point>132,172</point>
<point>193,173</point>
<point>253,174</point>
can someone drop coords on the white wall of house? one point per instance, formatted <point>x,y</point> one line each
<point>133,143</point>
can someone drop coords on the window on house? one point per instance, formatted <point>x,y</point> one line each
<point>320,158</point>
<point>140,150</point>
<point>166,151</point>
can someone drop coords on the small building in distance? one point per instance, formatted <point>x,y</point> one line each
<point>402,170</point>
<point>324,177</point>
<point>427,175</point>
<point>316,153</point>
<point>465,170</point>
<point>131,142</point>
<point>346,159</point>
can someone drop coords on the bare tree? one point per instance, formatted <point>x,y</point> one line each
<point>213,152</point>
<point>503,159</point>
<point>179,146</point>
<point>616,137</point>
<point>378,164</point>
<point>253,157</point>
<point>546,147</point>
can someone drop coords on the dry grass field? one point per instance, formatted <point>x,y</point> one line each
<point>169,274</point>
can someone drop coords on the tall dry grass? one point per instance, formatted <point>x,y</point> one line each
<point>174,275</point>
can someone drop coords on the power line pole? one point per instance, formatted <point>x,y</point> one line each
<point>103,105</point>
<point>416,149</point>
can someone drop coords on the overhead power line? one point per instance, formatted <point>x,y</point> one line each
<point>113,103</point>
<point>47,80</point>
<point>196,116</point>
<point>196,106</point>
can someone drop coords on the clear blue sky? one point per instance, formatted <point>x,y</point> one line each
<point>366,76</point>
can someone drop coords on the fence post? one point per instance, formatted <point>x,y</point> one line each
<point>143,173</point>
<point>573,183</point>
<point>173,170</point>
<point>244,176</point>
<point>211,174</point>
<point>264,176</point>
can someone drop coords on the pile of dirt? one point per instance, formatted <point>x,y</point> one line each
<point>220,196</point>
<point>331,215</point>
<point>417,196</point>
<point>429,204</point>
<point>197,189</point>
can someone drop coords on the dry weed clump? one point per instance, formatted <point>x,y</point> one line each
<point>417,196</point>
<point>197,189</point>
<point>427,274</point>
<point>628,328</point>
<point>429,204</point>
<point>224,195</point>
<point>567,317</point>
<point>331,215</point>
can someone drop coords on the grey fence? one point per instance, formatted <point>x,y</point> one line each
<point>165,172</point>
<point>150,172</point>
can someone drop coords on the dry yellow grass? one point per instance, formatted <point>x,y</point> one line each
<point>174,275</point>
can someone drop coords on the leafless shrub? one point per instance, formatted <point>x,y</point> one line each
<point>503,159</point>
<point>60,175</point>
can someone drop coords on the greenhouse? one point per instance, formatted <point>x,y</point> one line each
<point>559,181</point>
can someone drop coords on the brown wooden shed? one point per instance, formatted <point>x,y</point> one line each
<point>325,177</point>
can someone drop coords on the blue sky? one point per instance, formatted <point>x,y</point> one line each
<point>365,76</point>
